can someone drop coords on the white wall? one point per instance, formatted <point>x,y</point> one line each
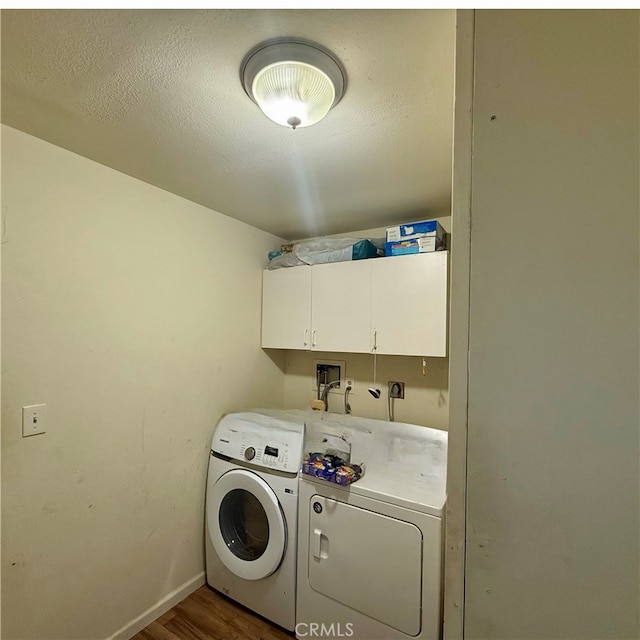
<point>426,397</point>
<point>459,328</point>
<point>135,316</point>
<point>553,521</point>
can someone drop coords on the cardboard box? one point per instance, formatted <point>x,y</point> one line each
<point>413,245</point>
<point>422,229</point>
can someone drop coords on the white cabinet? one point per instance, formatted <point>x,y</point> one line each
<point>286,308</point>
<point>341,306</point>
<point>409,304</point>
<point>323,308</point>
<point>395,306</point>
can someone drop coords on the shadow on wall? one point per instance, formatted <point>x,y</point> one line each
<point>277,356</point>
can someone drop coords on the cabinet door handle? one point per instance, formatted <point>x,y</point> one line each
<point>375,339</point>
<point>306,337</point>
<point>313,338</point>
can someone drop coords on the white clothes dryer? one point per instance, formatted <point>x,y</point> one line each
<point>370,555</point>
<point>251,511</point>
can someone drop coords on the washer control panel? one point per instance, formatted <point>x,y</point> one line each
<point>263,441</point>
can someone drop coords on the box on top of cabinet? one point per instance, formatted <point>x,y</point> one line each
<point>421,229</point>
<point>413,245</point>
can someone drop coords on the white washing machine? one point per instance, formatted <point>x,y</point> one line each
<point>252,508</point>
<point>370,555</point>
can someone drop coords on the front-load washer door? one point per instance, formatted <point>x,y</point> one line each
<point>246,524</point>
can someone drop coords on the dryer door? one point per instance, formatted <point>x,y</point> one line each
<point>246,524</point>
<point>367,561</point>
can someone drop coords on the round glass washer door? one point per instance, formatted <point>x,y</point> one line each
<point>246,525</point>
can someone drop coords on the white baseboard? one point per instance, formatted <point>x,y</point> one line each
<point>170,600</point>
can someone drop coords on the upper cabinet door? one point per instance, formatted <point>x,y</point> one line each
<point>341,306</point>
<point>409,304</point>
<point>286,308</point>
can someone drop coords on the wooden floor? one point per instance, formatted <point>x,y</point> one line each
<point>207,615</point>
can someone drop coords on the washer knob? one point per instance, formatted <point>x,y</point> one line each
<point>249,453</point>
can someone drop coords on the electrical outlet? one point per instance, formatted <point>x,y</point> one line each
<point>34,419</point>
<point>350,382</point>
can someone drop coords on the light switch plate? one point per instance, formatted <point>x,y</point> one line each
<point>34,419</point>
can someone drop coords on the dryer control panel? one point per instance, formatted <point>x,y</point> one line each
<point>264,441</point>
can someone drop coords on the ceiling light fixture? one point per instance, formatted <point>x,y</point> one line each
<point>294,82</point>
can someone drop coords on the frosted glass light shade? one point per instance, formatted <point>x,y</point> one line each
<point>294,82</point>
<point>293,94</point>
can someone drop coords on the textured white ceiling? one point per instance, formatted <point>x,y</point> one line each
<point>156,94</point>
